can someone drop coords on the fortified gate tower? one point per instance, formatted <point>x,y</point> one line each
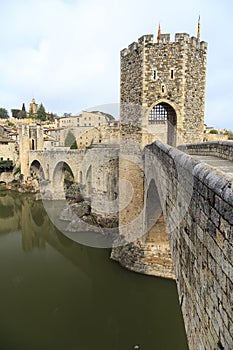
<point>167,79</point>
<point>163,93</point>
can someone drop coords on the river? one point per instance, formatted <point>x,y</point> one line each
<point>58,294</point>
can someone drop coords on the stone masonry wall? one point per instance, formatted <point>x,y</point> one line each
<point>222,149</point>
<point>170,72</point>
<point>197,203</point>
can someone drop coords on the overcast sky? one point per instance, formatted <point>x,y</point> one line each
<point>65,53</point>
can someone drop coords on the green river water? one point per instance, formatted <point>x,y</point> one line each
<point>58,294</point>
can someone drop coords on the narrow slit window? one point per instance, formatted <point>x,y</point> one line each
<point>155,74</point>
<point>172,74</point>
<point>163,88</point>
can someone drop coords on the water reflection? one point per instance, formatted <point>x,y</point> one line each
<point>58,294</point>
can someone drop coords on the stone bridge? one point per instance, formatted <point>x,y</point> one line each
<point>49,165</point>
<point>197,203</point>
<point>94,169</point>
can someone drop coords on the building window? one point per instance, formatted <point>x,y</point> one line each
<point>89,124</point>
<point>154,74</point>
<point>78,120</point>
<point>163,88</point>
<point>99,124</point>
<point>172,74</point>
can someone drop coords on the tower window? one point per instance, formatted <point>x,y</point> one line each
<point>154,74</point>
<point>172,74</point>
<point>163,88</point>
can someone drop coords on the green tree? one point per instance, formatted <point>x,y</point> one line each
<point>52,117</point>
<point>3,113</point>
<point>213,131</point>
<point>41,114</point>
<point>70,140</point>
<point>74,145</point>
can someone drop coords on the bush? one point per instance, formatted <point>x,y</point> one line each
<point>213,131</point>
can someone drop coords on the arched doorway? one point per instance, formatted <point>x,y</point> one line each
<point>162,122</point>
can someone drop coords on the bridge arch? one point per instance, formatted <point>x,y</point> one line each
<point>162,120</point>
<point>62,176</point>
<point>153,206</point>
<point>36,170</point>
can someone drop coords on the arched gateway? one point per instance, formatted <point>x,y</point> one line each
<point>162,122</point>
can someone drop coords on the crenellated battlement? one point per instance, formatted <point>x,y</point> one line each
<point>149,39</point>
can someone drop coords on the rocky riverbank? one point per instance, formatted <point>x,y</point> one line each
<point>78,213</point>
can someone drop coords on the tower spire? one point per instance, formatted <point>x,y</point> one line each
<point>199,28</point>
<point>159,33</point>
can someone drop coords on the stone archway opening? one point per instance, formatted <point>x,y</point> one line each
<point>63,178</point>
<point>162,122</point>
<point>36,171</point>
<point>153,207</point>
<point>157,237</point>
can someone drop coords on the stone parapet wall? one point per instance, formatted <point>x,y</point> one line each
<point>222,149</point>
<point>197,202</point>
